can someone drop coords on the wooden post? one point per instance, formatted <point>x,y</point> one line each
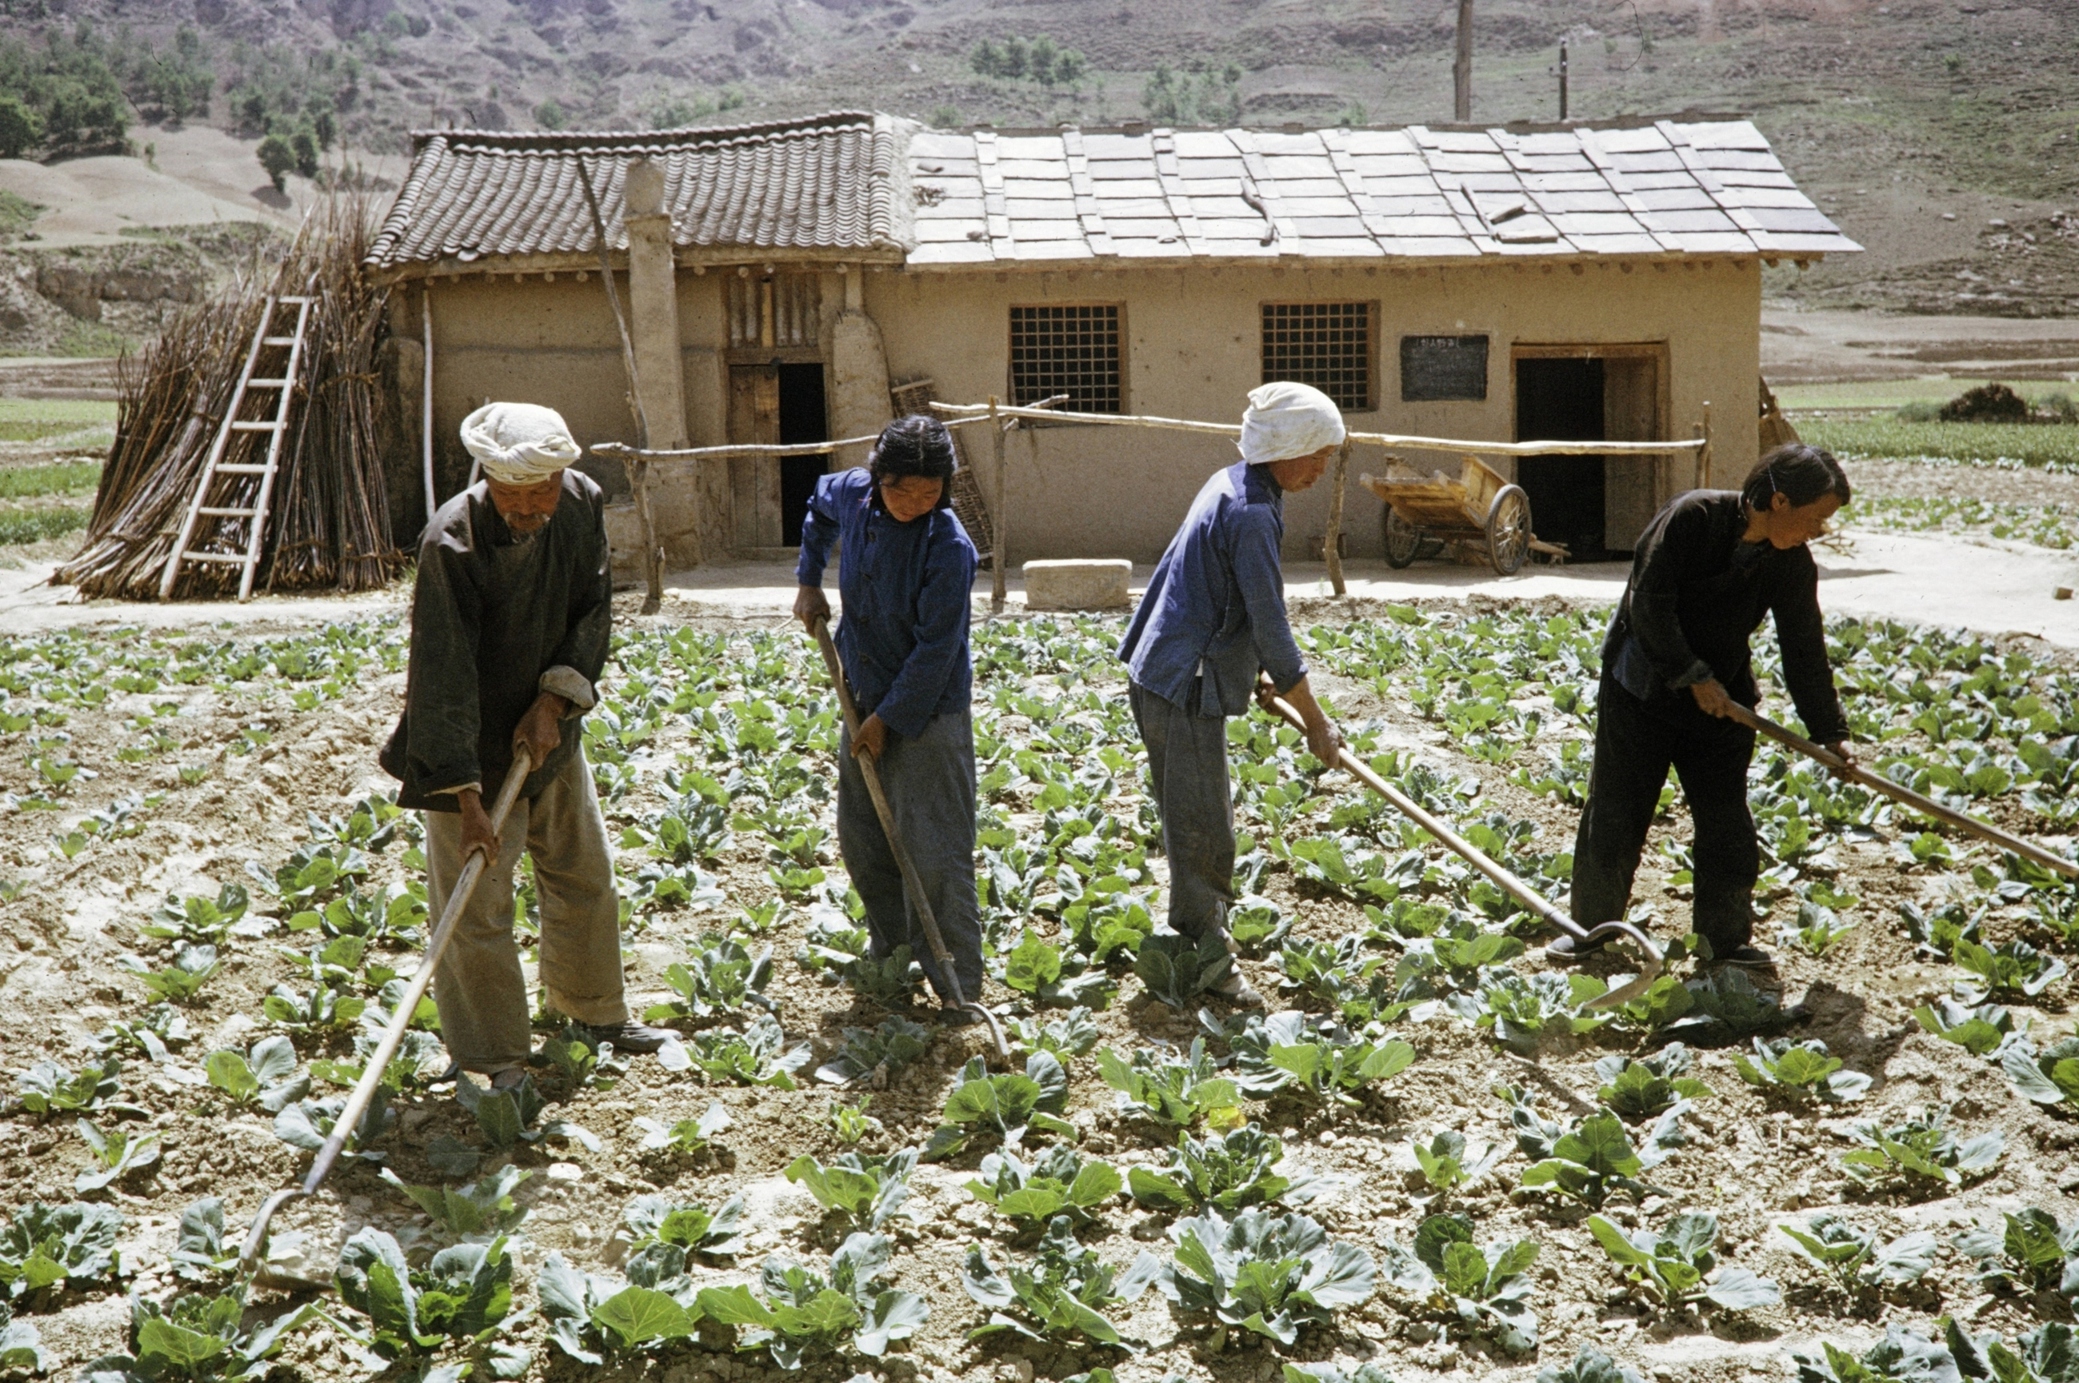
<point>998,560</point>
<point>426,395</point>
<point>652,554</point>
<point>1332,542</point>
<point>1462,66</point>
<point>1703,455</point>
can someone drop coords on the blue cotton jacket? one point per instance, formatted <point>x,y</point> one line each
<point>1214,614</point>
<point>902,636</point>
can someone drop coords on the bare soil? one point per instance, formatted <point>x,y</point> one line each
<point>1752,1160</point>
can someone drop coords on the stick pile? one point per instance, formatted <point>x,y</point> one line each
<point>329,524</point>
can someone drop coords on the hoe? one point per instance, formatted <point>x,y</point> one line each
<point>1478,859</point>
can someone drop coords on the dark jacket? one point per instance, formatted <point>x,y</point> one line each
<point>1214,612</point>
<point>1698,591</point>
<point>905,590</point>
<point>495,621</point>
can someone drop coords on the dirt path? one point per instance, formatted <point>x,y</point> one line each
<point>1982,584</point>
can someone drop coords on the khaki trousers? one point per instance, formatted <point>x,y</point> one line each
<point>480,988</point>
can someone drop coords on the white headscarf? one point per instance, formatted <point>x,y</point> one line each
<point>519,443</point>
<point>1285,420</point>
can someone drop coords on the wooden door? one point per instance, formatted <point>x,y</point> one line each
<point>1632,488</point>
<point>754,481</point>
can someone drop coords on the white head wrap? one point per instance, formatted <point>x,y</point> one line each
<point>1285,420</point>
<point>519,443</point>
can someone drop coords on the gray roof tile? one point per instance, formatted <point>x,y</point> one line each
<point>844,183</point>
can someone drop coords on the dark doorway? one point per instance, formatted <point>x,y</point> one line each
<point>1561,400</point>
<point>803,418</point>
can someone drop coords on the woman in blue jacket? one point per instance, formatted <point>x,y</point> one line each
<point>906,569</point>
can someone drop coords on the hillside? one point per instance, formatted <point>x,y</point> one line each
<point>1939,134</point>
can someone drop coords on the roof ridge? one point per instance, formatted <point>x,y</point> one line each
<point>572,140</point>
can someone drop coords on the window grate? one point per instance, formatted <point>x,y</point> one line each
<point>1327,345</point>
<point>1066,350</point>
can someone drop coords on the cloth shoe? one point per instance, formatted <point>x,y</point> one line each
<point>951,1017</point>
<point>509,1078</point>
<point>1566,950</point>
<point>1746,957</point>
<point>627,1036</point>
<point>1237,991</point>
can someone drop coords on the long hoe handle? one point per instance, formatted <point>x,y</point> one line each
<point>1926,806</point>
<point>393,1035</point>
<point>1504,878</point>
<point>911,883</point>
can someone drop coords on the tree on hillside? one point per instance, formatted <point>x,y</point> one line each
<point>279,159</point>
<point>549,115</point>
<point>21,127</point>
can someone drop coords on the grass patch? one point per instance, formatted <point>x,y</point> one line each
<point>2049,446</point>
<point>90,339</point>
<point>16,212</point>
<point>72,412</point>
<point>64,478</point>
<point>2044,525</point>
<point>37,525</point>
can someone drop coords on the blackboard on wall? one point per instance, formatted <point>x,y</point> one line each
<point>1443,367</point>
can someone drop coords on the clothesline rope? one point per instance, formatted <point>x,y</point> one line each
<point>964,414</point>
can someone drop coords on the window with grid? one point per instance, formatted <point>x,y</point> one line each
<point>1066,350</point>
<point>1327,345</point>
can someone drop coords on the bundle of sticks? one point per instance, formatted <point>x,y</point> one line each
<point>329,519</point>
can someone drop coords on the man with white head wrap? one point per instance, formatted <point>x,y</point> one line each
<point>1212,621</point>
<point>510,623</point>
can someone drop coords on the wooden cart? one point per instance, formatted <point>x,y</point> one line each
<point>1424,512</point>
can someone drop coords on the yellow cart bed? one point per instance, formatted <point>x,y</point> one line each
<point>1477,508</point>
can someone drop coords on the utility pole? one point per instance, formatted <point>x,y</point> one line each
<point>1562,79</point>
<point>1462,65</point>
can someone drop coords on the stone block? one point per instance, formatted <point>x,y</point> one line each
<point>1095,584</point>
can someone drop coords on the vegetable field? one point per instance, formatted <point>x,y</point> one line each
<point>1428,1157</point>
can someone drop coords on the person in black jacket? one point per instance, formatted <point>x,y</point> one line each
<point>1706,571</point>
<point>510,625</point>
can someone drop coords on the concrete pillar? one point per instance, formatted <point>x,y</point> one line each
<point>654,306</point>
<point>858,370</point>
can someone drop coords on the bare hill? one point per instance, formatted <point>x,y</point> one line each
<point>1921,125</point>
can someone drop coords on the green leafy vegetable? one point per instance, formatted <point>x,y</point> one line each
<point>865,1190</point>
<point>1174,1093</point>
<point>1854,1257</point>
<point>1264,1272</point>
<point>1800,1068</point>
<point>486,1207</point>
<point>1228,1172</point>
<point>1004,1107</point>
<point>1058,1183</point>
<point>801,1312</point>
<point>1063,1293</point>
<point>1675,1265</point>
<point>1922,1149</point>
<point>1487,1289</point>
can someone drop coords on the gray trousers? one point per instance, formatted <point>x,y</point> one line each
<point>1187,769</point>
<point>480,989</point>
<point>930,785</point>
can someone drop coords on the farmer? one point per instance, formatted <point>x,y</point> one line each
<point>509,630</point>
<point>905,571</point>
<point>1708,568</point>
<point>1212,620</point>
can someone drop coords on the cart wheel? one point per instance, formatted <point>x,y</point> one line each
<point>1508,530</point>
<point>1404,541</point>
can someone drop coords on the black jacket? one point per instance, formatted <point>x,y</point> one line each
<point>490,616</point>
<point>1696,594</point>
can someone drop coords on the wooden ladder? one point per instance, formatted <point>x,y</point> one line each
<point>229,507</point>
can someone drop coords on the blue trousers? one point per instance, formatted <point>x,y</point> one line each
<point>930,785</point>
<point>1187,768</point>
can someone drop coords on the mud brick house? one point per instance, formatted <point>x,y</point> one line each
<point>1581,281</point>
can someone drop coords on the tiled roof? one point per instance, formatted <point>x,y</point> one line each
<point>1668,187</point>
<point>875,186</point>
<point>829,183</point>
